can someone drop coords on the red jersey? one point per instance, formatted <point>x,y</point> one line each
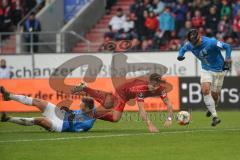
<point>236,23</point>
<point>151,23</point>
<point>138,89</point>
<point>197,21</point>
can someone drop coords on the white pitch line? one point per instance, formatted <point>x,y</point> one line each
<point>119,135</point>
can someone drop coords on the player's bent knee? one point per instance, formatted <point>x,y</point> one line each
<point>41,104</point>
<point>43,123</point>
<point>115,119</point>
<point>38,121</point>
<point>116,116</point>
<point>215,95</point>
<point>205,90</point>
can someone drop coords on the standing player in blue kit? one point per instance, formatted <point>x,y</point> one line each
<point>214,65</point>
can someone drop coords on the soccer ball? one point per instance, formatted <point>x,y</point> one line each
<point>183,117</point>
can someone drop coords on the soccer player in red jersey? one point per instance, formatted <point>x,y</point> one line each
<point>136,89</point>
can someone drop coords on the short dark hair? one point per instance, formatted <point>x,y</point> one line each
<point>155,77</point>
<point>119,9</point>
<point>192,36</point>
<point>89,102</point>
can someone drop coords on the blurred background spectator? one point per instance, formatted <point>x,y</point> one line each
<point>17,12</point>
<point>109,5</point>
<point>236,24</point>
<point>149,24</point>
<point>12,12</point>
<point>158,6</point>
<point>175,17</point>
<point>116,23</point>
<point>236,64</point>
<point>212,21</point>
<point>225,9</point>
<point>32,25</point>
<point>167,23</point>
<point>180,10</point>
<point>184,30</point>
<point>5,71</point>
<point>5,17</point>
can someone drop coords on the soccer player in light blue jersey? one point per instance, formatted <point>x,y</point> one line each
<point>58,119</point>
<point>214,65</point>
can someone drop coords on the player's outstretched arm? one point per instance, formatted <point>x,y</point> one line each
<point>168,121</point>
<point>228,61</point>
<point>228,48</point>
<point>146,119</point>
<point>182,52</point>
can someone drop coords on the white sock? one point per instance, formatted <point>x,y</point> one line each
<point>210,104</point>
<point>22,99</point>
<point>22,121</point>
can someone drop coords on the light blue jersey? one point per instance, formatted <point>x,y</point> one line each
<point>80,122</point>
<point>209,53</point>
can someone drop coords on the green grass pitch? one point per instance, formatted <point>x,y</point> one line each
<point>125,140</point>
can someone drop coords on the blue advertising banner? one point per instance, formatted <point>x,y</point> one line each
<point>71,7</point>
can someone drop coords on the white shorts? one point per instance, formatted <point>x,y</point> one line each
<point>215,78</point>
<point>55,115</point>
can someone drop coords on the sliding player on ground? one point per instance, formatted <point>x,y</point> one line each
<point>136,89</point>
<point>208,51</point>
<point>58,119</point>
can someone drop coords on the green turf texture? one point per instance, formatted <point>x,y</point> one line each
<point>126,139</point>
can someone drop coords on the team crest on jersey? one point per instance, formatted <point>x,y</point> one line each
<point>141,95</point>
<point>203,53</point>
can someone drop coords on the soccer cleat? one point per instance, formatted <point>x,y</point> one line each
<point>208,114</point>
<point>215,121</point>
<point>5,94</point>
<point>79,88</point>
<point>4,117</point>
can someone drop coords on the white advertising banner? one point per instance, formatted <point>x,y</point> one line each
<point>47,64</point>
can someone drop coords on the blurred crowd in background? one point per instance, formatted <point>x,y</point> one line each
<point>12,12</point>
<point>163,24</point>
<point>151,25</point>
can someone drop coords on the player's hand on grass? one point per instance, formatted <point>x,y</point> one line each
<point>167,123</point>
<point>152,128</point>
